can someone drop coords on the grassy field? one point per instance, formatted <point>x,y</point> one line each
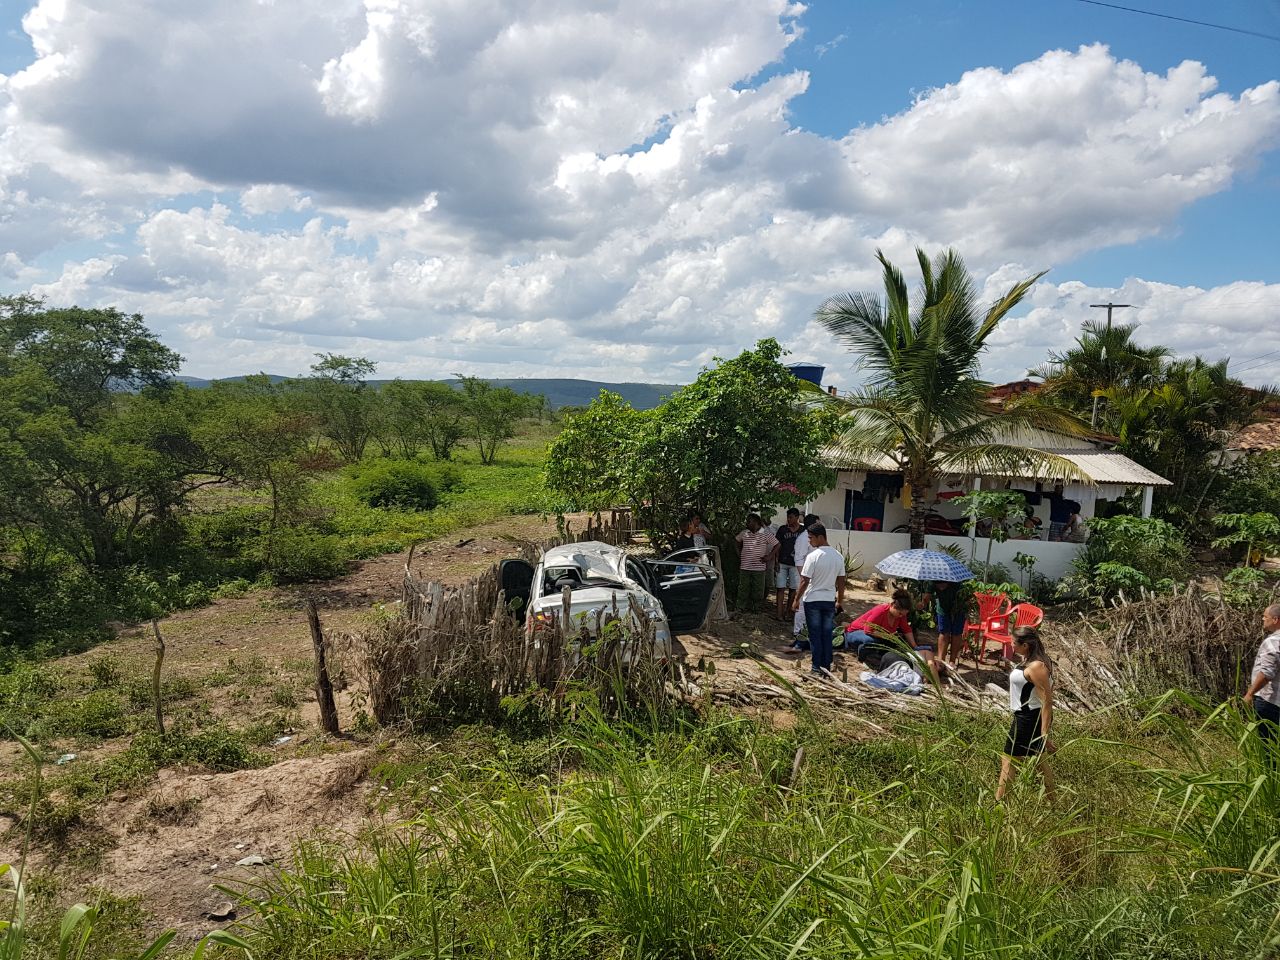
<point>511,485</point>
<point>693,840</point>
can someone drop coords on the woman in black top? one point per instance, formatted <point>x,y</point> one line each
<point>1031,700</point>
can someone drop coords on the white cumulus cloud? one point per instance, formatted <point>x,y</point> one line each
<point>605,190</point>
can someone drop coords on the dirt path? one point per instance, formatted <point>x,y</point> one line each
<point>174,840</point>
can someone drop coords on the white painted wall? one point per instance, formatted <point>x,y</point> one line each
<point>1053,560</point>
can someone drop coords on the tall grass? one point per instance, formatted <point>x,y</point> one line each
<point>696,842</point>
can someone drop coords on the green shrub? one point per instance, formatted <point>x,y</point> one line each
<point>1130,554</point>
<point>301,555</point>
<point>402,484</point>
<point>24,691</point>
<point>106,671</point>
<point>219,748</point>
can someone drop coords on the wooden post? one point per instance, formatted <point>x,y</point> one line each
<point>155,675</point>
<point>324,687</point>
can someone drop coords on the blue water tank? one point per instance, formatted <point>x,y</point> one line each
<point>807,371</point>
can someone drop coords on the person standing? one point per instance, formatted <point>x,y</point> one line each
<point>822,593</point>
<point>1031,700</point>
<point>788,578</point>
<point>756,549</point>
<point>798,643</point>
<point>951,609</point>
<point>1263,693</point>
<point>698,529</point>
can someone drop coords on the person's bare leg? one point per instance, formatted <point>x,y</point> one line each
<point>956,648</point>
<point>1046,777</point>
<point>1006,775</point>
<point>779,601</point>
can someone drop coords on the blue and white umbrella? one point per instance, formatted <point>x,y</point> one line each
<point>924,565</point>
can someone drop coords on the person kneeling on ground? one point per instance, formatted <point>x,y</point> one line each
<point>886,621</point>
<point>822,592</point>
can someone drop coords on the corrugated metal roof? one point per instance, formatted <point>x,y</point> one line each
<point>1100,466</point>
<point>1108,466</point>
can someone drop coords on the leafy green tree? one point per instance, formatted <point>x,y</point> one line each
<point>1258,532</point>
<point>592,462</point>
<point>742,436</point>
<point>1181,426</point>
<point>90,465</point>
<point>998,508</point>
<point>422,413</point>
<point>492,414</point>
<point>85,356</point>
<point>1105,358</point>
<point>923,404</point>
<point>342,401</point>
<point>261,440</point>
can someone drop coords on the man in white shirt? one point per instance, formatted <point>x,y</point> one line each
<point>1264,687</point>
<point>822,592</point>
<point>802,551</point>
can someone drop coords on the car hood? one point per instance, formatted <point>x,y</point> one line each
<point>587,601</point>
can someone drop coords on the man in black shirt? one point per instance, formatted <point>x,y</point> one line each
<point>788,578</point>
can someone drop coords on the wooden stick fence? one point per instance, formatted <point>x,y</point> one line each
<point>461,650</point>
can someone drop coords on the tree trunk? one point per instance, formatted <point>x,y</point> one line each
<point>155,676</point>
<point>920,497</point>
<point>324,687</point>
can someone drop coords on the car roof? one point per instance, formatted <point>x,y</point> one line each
<point>590,556</point>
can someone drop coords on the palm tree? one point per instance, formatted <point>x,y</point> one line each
<point>924,405</point>
<point>1105,357</point>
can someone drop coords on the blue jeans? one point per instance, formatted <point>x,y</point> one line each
<point>820,616</point>
<point>1268,715</point>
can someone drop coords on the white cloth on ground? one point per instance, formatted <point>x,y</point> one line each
<point>898,677</point>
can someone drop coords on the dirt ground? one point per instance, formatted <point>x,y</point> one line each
<point>176,840</point>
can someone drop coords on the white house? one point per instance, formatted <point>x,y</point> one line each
<point>866,512</point>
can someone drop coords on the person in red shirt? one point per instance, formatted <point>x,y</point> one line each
<point>888,622</point>
<point>883,622</point>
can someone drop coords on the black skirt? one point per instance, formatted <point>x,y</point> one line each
<point>1024,738</point>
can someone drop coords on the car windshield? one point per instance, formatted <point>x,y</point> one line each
<point>557,578</point>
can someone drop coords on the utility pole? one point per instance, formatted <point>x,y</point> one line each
<point>1093,421</point>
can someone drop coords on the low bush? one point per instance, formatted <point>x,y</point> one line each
<point>401,484</point>
<point>300,556</point>
<point>1127,554</point>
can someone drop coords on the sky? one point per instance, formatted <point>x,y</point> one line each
<point>625,191</point>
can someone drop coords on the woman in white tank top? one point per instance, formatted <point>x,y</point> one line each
<point>1031,700</point>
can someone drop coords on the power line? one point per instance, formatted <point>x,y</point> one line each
<point>1198,23</point>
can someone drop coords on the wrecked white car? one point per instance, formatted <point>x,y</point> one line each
<point>674,593</point>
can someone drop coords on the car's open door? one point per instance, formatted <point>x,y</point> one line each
<point>685,588</point>
<point>515,577</point>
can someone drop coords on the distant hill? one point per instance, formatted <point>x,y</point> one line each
<point>560,392</point>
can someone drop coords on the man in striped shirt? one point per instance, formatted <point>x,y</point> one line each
<point>756,547</point>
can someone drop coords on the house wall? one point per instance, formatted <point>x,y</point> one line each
<point>830,504</point>
<point>1053,560</point>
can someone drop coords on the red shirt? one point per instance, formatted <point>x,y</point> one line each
<point>883,616</point>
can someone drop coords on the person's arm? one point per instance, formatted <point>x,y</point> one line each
<point>739,537</point>
<point>804,585</point>
<point>906,629</point>
<point>1265,674</point>
<point>1039,675</point>
<point>840,593</point>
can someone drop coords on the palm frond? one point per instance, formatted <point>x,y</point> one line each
<point>1008,460</point>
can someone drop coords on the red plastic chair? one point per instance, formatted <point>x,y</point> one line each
<point>866,523</point>
<point>988,606</point>
<point>1000,627</point>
